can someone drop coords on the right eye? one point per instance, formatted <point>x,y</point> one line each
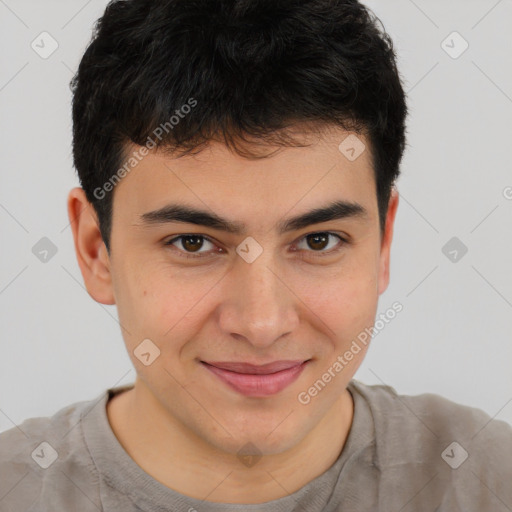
<point>190,245</point>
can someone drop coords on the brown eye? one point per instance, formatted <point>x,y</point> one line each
<point>322,243</point>
<point>191,245</point>
<point>318,241</point>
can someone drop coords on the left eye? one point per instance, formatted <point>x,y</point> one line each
<point>318,242</point>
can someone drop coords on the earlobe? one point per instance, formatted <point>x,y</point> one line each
<point>90,249</point>
<point>385,250</point>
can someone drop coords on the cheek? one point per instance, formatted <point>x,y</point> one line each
<point>175,300</point>
<point>142,293</point>
<point>346,300</point>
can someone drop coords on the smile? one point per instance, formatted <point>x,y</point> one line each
<point>256,381</point>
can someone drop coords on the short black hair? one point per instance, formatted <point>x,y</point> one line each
<point>182,73</point>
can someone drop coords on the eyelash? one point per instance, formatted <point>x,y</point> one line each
<point>187,255</point>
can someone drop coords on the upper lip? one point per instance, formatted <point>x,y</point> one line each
<point>262,369</point>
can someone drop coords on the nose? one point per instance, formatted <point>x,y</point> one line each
<point>260,307</point>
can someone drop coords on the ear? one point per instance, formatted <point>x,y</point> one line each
<point>386,241</point>
<point>91,252</point>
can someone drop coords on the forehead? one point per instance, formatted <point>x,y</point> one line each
<point>222,180</point>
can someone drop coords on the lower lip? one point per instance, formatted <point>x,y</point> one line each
<point>258,385</point>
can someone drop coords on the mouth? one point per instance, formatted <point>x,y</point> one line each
<point>257,380</point>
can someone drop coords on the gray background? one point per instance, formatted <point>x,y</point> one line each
<point>454,335</point>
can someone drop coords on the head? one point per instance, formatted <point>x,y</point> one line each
<point>227,121</point>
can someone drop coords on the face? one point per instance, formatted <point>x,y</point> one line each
<point>253,288</point>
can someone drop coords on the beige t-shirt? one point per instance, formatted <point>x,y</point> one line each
<point>403,454</point>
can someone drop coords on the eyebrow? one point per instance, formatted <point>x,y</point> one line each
<point>182,213</point>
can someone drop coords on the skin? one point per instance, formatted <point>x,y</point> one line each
<point>181,423</point>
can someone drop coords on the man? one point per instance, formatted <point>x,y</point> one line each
<point>237,162</point>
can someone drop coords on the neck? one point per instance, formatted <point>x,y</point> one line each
<point>169,452</point>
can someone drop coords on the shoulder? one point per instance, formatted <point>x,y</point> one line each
<point>45,459</point>
<point>462,450</point>
<point>420,418</point>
